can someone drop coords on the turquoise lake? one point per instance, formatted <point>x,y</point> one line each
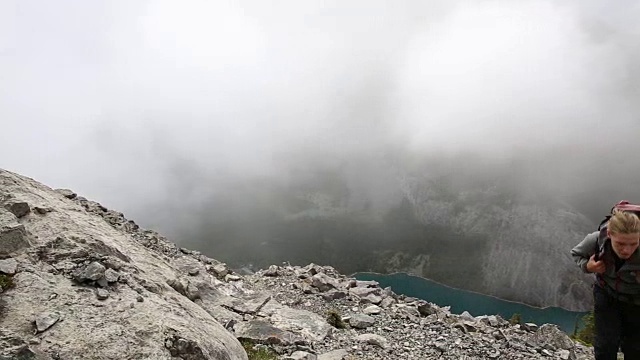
<point>474,303</point>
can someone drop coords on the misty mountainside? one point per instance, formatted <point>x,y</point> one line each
<point>490,233</point>
<point>81,281</point>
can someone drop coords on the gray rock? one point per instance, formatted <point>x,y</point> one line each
<point>372,310</point>
<point>360,321</point>
<point>466,326</point>
<point>8,266</point>
<point>492,320</point>
<point>365,284</point>
<point>313,269</point>
<point>426,309</point>
<point>102,294</point>
<point>323,282</point>
<point>272,271</point>
<point>307,289</point>
<point>258,331</point>
<point>552,335</point>
<point>232,277</point>
<point>93,272</point>
<point>334,295</point>
<point>310,326</point>
<point>373,339</point>
<point>45,320</point>
<point>371,299</point>
<point>42,210</point>
<point>13,236</point>
<point>465,315</point>
<point>338,354</point>
<point>387,302</point>
<point>182,285</point>
<point>192,292</point>
<point>407,310</point>
<point>364,291</point>
<point>220,270</point>
<point>111,275</point>
<point>67,193</point>
<point>113,263</point>
<point>102,282</point>
<point>19,209</point>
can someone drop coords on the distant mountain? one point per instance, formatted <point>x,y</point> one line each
<point>486,231</point>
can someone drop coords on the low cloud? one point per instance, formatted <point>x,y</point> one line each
<point>152,106</point>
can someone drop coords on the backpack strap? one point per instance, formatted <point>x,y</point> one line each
<point>602,239</point>
<point>604,222</point>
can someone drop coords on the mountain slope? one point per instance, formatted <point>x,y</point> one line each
<point>96,291</point>
<point>81,281</point>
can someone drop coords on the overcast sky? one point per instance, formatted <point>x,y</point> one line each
<point>111,98</point>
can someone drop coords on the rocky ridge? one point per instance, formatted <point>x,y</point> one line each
<point>86,283</point>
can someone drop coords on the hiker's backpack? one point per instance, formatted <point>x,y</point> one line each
<point>623,205</point>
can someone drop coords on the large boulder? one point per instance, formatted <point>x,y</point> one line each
<point>13,235</point>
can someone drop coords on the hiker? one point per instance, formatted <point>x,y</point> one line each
<point>612,254</point>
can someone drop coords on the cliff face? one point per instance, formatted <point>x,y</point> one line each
<point>80,281</point>
<point>513,247</point>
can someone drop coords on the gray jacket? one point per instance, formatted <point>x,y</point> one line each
<point>624,283</point>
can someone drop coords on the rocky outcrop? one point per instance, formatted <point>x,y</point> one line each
<point>397,327</point>
<point>86,285</point>
<point>85,282</point>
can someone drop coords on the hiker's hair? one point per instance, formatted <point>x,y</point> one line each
<point>624,222</point>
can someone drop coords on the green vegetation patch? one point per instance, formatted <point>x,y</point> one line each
<point>587,332</point>
<point>6,282</point>
<point>258,352</point>
<point>335,319</point>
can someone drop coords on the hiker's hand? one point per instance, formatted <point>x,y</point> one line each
<point>595,266</point>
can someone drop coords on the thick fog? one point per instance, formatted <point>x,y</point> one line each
<point>161,109</point>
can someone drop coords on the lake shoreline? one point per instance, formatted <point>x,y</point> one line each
<point>474,303</point>
<point>354,275</point>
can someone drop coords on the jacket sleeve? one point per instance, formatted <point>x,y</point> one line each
<point>583,251</point>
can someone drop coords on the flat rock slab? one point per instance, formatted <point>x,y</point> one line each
<point>373,339</point>
<point>361,321</point>
<point>8,266</point>
<point>67,193</point>
<point>309,325</point>
<point>46,320</point>
<point>262,332</point>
